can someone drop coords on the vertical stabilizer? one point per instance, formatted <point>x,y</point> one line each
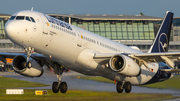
<point>161,42</point>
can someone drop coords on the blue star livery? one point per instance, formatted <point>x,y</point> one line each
<point>58,22</point>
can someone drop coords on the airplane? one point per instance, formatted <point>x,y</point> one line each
<point>61,46</point>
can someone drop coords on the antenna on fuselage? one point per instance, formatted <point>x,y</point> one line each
<point>32,9</point>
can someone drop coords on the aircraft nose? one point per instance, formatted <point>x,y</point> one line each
<point>11,29</point>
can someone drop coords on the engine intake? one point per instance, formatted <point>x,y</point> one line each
<point>124,65</point>
<point>19,66</point>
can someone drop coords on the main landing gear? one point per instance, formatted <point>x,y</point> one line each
<point>123,85</point>
<point>56,86</point>
<point>62,87</point>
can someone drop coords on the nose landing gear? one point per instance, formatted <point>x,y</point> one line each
<point>28,51</point>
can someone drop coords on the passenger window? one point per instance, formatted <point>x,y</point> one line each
<point>20,17</point>
<point>12,17</point>
<point>32,19</point>
<point>28,19</point>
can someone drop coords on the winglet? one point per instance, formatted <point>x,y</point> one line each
<point>161,42</point>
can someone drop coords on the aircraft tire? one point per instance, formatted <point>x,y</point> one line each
<point>29,64</point>
<point>127,87</point>
<point>119,87</point>
<point>55,87</point>
<point>63,87</point>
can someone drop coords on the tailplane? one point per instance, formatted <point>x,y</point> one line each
<point>161,42</point>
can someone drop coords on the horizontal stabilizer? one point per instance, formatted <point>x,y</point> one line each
<point>171,70</point>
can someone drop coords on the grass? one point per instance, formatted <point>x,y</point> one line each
<point>6,82</point>
<point>84,96</point>
<point>172,83</point>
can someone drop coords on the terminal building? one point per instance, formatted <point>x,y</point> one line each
<point>131,30</point>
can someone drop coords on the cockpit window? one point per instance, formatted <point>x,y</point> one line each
<point>28,19</point>
<point>32,19</point>
<point>20,17</point>
<point>12,17</point>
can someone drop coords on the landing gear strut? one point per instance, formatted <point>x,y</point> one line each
<point>28,51</point>
<point>127,87</point>
<point>56,86</point>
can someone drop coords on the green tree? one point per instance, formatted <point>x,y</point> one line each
<point>141,14</point>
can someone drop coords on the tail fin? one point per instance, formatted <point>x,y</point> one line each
<point>161,42</point>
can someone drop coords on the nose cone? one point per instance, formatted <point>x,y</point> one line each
<point>11,30</point>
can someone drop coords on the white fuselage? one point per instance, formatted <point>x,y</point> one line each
<point>71,46</point>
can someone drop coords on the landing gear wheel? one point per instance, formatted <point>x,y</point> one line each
<point>55,87</point>
<point>127,87</point>
<point>119,87</point>
<point>63,87</point>
<point>29,64</point>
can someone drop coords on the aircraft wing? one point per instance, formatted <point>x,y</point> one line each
<point>4,55</point>
<point>11,55</point>
<point>156,56</point>
<point>103,58</point>
<point>167,57</point>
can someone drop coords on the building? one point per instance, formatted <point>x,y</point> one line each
<point>4,42</point>
<point>131,30</point>
<point>115,27</point>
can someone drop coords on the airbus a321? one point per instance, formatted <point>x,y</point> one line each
<point>61,46</point>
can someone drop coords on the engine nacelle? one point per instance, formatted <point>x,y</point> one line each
<point>124,65</point>
<point>19,66</point>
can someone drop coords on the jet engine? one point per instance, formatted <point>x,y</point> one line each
<point>19,66</point>
<point>124,65</point>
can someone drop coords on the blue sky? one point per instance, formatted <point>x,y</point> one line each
<point>155,8</point>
